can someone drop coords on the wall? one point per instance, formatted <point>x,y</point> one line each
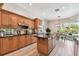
<point>52,24</point>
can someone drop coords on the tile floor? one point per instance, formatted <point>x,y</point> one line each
<point>30,50</point>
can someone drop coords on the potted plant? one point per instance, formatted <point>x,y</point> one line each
<point>48,31</point>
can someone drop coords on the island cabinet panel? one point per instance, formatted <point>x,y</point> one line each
<point>50,45</point>
<point>44,45</point>
<point>4,44</point>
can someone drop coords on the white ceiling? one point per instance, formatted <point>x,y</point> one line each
<point>44,11</point>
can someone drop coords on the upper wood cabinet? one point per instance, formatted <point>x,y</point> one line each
<point>37,22</point>
<point>22,20</point>
<point>4,18</point>
<point>10,19</point>
<point>31,24</point>
<point>1,5</point>
<point>0,17</point>
<point>13,20</point>
<point>34,39</point>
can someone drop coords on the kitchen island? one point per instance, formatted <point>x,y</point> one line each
<point>44,45</point>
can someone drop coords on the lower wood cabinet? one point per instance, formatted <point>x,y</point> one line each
<point>8,44</point>
<point>4,45</point>
<point>13,43</point>
<point>22,41</point>
<point>29,41</point>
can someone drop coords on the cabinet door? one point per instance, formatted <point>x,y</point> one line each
<point>4,18</point>
<point>13,42</point>
<point>21,20</point>
<point>29,40</point>
<point>26,40</point>
<point>37,22</point>
<point>0,46</point>
<point>0,18</point>
<point>4,45</point>
<point>31,24</point>
<point>13,20</point>
<point>42,46</point>
<point>21,41</point>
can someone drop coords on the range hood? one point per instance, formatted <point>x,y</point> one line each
<point>24,26</point>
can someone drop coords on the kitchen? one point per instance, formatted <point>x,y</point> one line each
<point>20,27</point>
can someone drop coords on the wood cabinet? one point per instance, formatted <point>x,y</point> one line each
<point>4,45</point>
<point>37,22</point>
<point>10,19</point>
<point>20,20</point>
<point>21,41</point>
<point>44,45</point>
<point>4,18</point>
<point>13,20</point>
<point>1,5</point>
<point>0,18</point>
<point>31,24</point>
<point>9,44</point>
<point>29,40</point>
<point>13,43</point>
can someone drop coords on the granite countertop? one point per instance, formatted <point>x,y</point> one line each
<point>7,36</point>
<point>43,36</point>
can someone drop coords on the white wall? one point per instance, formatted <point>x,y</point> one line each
<point>53,23</point>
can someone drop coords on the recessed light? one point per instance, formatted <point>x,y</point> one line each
<point>63,7</point>
<point>30,4</point>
